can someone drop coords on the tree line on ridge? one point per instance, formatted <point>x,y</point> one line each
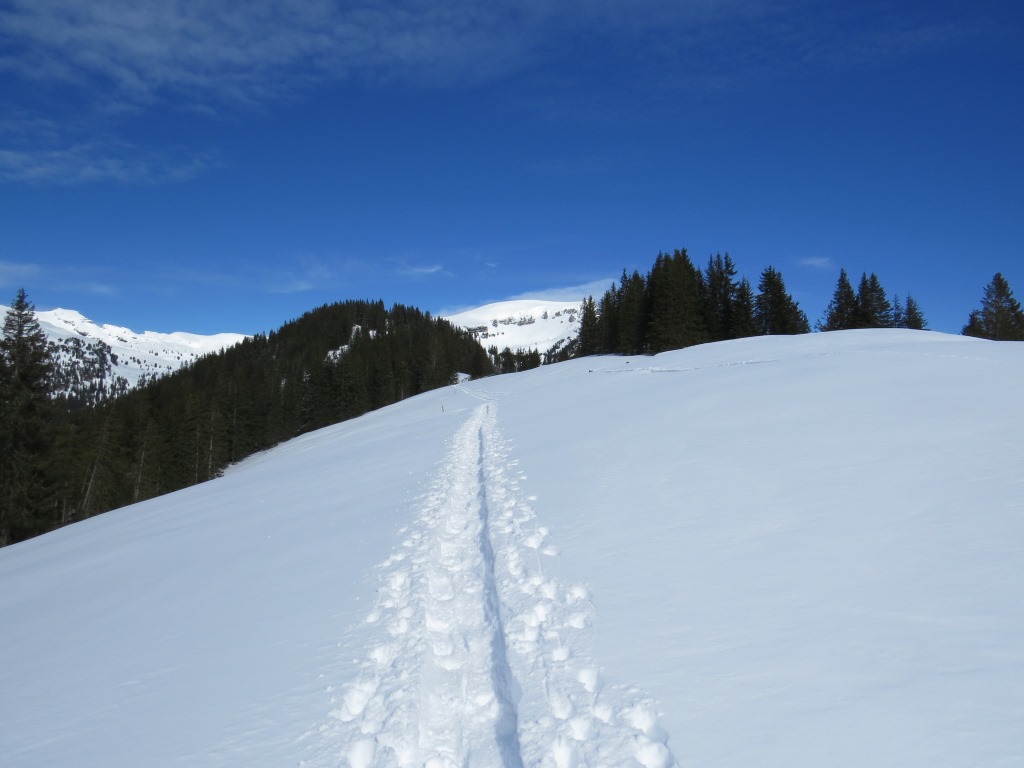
<point>60,463</point>
<point>676,304</point>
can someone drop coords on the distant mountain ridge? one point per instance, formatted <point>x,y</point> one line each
<point>522,324</point>
<point>95,362</point>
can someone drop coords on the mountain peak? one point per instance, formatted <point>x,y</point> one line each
<point>115,358</point>
<point>522,324</point>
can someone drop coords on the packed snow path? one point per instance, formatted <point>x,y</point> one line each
<point>477,656</point>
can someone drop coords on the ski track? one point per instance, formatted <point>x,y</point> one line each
<point>480,658</point>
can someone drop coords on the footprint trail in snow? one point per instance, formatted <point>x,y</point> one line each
<point>480,658</point>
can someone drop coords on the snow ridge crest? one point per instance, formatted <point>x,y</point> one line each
<point>480,657</point>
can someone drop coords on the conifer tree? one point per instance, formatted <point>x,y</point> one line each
<point>841,313</point>
<point>27,420</point>
<point>873,308</point>
<point>608,321</point>
<point>899,315</point>
<point>632,314</point>
<point>743,322</point>
<point>588,339</point>
<point>775,311</point>
<point>719,295</point>
<point>675,295</point>
<point>1000,317</point>
<point>973,326</point>
<point>913,318</point>
<point>665,329</point>
<point>907,315</point>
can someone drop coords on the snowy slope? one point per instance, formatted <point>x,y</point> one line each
<point>131,355</point>
<point>522,324</point>
<point>792,551</point>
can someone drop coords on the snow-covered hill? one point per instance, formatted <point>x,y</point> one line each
<point>114,359</point>
<point>788,551</point>
<point>522,324</point>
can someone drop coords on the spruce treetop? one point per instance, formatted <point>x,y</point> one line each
<point>1000,317</point>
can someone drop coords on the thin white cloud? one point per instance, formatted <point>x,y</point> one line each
<point>817,262</point>
<point>109,57</point>
<point>98,160</point>
<point>14,273</point>
<point>294,285</point>
<point>245,51</point>
<point>95,288</point>
<point>422,271</point>
<point>571,293</point>
<point>308,273</point>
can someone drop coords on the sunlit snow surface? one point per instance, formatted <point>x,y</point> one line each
<point>796,551</point>
<point>139,353</point>
<point>522,324</point>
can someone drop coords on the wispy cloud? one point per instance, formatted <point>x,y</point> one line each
<point>216,52</point>
<point>308,273</point>
<point>55,281</point>
<point>817,262</point>
<point>95,288</point>
<point>41,150</point>
<point>109,58</point>
<point>416,272</point>
<point>293,285</point>
<point>244,52</point>
<point>570,293</point>
<point>102,160</point>
<point>14,273</point>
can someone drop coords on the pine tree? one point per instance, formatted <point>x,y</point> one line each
<point>588,339</point>
<point>675,290</point>
<point>719,295</point>
<point>841,313</point>
<point>1000,317</point>
<point>743,322</point>
<point>899,315</point>
<point>608,321</point>
<point>6,448</point>
<point>666,323</point>
<point>873,308</point>
<point>27,420</point>
<point>913,318</point>
<point>632,314</point>
<point>775,311</point>
<point>973,326</point>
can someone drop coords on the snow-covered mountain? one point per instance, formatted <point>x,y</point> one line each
<point>96,361</point>
<point>776,552</point>
<point>110,359</point>
<point>522,324</point>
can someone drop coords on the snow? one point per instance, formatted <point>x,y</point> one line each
<point>791,551</point>
<point>139,354</point>
<point>522,324</point>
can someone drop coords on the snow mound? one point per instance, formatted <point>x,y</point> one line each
<point>522,324</point>
<point>793,551</point>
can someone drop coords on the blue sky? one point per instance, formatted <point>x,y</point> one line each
<point>223,165</point>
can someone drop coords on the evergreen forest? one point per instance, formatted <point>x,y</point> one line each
<point>62,464</point>
<point>677,304</point>
<point>63,460</point>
